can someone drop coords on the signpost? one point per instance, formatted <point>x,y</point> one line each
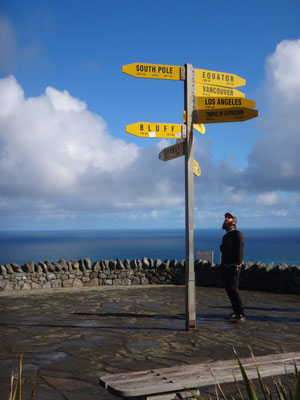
<point>209,97</point>
<point>156,130</point>
<point>200,128</point>
<point>196,168</point>
<point>210,90</point>
<point>153,71</point>
<point>218,78</point>
<point>175,151</point>
<point>224,115</point>
<point>171,152</point>
<point>206,103</point>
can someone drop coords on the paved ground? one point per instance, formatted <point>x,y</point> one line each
<point>69,338</point>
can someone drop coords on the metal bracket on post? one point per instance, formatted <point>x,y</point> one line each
<point>193,88</point>
<point>194,105</point>
<point>194,115</point>
<point>193,84</point>
<point>183,131</point>
<point>182,73</point>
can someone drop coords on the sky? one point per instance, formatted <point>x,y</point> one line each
<point>66,161</point>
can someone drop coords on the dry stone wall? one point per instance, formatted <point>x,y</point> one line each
<point>65,274</point>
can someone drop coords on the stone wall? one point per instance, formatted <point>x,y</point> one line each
<point>73,273</point>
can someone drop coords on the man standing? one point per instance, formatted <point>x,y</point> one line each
<point>232,248</point>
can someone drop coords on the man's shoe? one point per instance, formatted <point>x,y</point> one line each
<point>239,319</point>
<point>231,317</point>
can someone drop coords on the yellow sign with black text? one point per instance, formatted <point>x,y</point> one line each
<point>218,78</point>
<point>206,103</point>
<point>156,130</point>
<point>153,71</point>
<point>216,91</point>
<point>225,115</point>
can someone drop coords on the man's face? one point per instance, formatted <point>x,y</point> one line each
<point>228,224</point>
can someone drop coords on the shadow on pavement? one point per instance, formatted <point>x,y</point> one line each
<point>294,310</point>
<point>199,316</point>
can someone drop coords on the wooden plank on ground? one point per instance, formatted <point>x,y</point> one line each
<point>173,379</point>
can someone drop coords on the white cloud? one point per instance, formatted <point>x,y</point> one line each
<point>63,101</point>
<point>234,196</point>
<point>274,163</point>
<point>154,214</point>
<point>11,97</point>
<point>281,213</point>
<point>52,146</point>
<point>58,157</point>
<point>268,198</point>
<point>283,70</point>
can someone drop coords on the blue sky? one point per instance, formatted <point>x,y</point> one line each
<point>65,158</point>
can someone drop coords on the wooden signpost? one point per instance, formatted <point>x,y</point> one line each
<point>175,151</point>
<point>218,78</point>
<point>209,97</point>
<point>171,152</point>
<point>199,128</point>
<point>153,71</point>
<point>224,115</point>
<point>207,103</point>
<point>196,168</point>
<point>156,130</point>
<point>202,89</point>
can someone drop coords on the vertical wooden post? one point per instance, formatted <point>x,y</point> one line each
<point>190,292</point>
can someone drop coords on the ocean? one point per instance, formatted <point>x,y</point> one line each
<point>266,245</point>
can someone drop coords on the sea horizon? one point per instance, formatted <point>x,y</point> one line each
<point>261,244</point>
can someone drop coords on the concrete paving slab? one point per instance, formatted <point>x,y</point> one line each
<point>81,334</point>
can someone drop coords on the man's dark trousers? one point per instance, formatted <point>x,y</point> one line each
<point>231,277</point>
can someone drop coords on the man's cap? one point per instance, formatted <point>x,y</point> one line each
<point>228,215</point>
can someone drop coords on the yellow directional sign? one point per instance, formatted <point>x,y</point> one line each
<point>218,78</point>
<point>175,151</point>
<point>196,168</point>
<point>206,103</point>
<point>216,91</point>
<point>225,115</point>
<point>200,128</point>
<point>171,152</point>
<point>153,71</point>
<point>156,130</point>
